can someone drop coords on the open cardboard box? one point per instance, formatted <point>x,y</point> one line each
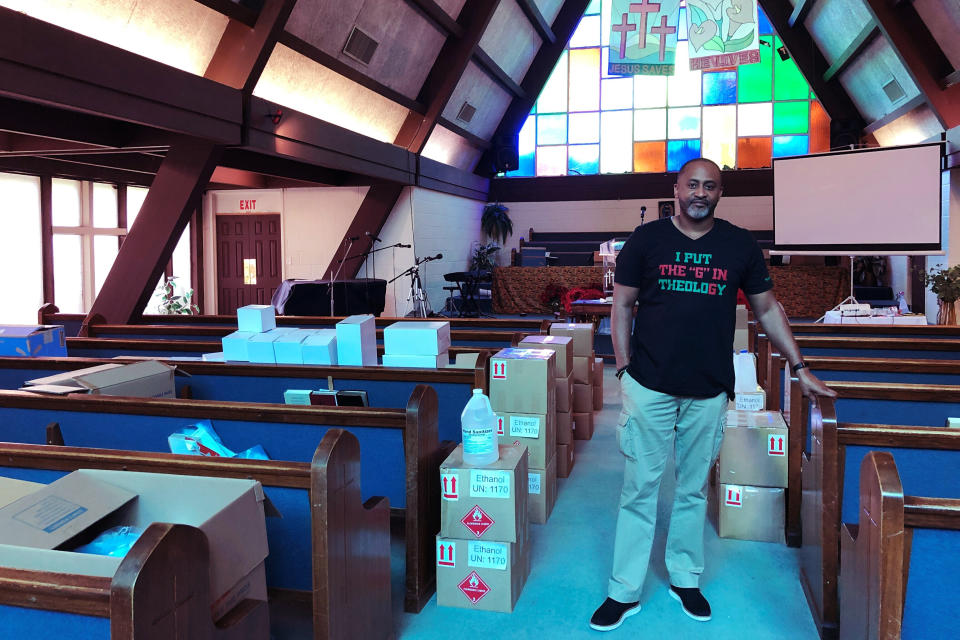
<point>32,341</point>
<point>146,379</point>
<point>38,530</point>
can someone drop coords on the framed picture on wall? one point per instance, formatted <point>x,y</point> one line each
<point>665,208</point>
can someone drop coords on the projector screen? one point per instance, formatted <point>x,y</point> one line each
<point>863,202</point>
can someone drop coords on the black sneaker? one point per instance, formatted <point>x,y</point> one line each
<point>692,601</point>
<point>611,613</point>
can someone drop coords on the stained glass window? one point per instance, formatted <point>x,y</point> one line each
<point>586,121</point>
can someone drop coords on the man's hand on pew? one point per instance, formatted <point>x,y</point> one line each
<point>812,387</point>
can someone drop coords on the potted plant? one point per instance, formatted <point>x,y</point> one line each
<point>173,304</point>
<point>484,256</point>
<point>496,223</point>
<point>945,284</point>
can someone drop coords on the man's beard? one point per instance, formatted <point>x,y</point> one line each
<point>699,211</point>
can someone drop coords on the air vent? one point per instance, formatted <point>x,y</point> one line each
<point>467,112</point>
<point>894,91</point>
<point>360,46</point>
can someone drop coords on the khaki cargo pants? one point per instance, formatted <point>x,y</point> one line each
<point>645,432</point>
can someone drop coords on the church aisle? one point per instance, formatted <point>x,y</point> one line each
<point>751,585</point>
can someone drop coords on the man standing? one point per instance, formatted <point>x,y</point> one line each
<point>676,376</point>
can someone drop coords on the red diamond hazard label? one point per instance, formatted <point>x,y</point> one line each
<point>477,521</point>
<point>474,587</point>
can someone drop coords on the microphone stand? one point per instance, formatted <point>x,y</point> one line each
<point>334,276</point>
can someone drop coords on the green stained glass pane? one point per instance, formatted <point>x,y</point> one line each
<point>594,8</point>
<point>791,117</point>
<point>755,81</point>
<point>788,82</point>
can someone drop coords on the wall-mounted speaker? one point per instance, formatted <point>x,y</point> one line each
<point>505,153</point>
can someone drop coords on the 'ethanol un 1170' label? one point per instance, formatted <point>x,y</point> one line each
<point>487,555</point>
<point>525,426</point>
<point>485,483</point>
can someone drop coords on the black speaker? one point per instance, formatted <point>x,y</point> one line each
<point>844,133</point>
<point>505,153</point>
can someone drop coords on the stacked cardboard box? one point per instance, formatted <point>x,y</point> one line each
<point>483,554</point>
<point>357,341</point>
<point>417,344</point>
<point>583,369</point>
<point>753,476</point>
<point>258,339</point>
<point>597,384</point>
<point>563,346</point>
<point>523,395</point>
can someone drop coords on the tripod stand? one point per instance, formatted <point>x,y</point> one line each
<point>417,295</point>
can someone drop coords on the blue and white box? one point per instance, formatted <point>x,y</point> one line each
<point>438,361</point>
<point>417,338</point>
<point>260,346</point>
<point>288,348</point>
<point>256,318</point>
<point>235,346</point>
<point>320,347</point>
<point>357,341</point>
<point>32,341</point>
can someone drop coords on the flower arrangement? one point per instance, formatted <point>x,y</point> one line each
<point>593,292</point>
<point>945,284</point>
<point>553,297</point>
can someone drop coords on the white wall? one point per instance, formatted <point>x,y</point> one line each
<point>622,215</point>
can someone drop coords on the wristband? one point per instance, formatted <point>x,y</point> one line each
<point>620,371</point>
<point>798,366</point>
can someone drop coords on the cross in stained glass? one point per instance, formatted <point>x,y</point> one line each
<point>622,29</point>
<point>643,8</point>
<point>663,30</point>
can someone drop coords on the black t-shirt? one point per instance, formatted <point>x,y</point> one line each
<point>682,341</point>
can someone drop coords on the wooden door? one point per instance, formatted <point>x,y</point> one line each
<point>248,260</point>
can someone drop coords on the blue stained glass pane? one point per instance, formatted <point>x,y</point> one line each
<point>594,8</point>
<point>526,168</point>
<point>790,145</point>
<point>679,151</point>
<point>584,159</point>
<point>682,31</point>
<point>720,87</point>
<point>764,23</point>
<point>552,129</point>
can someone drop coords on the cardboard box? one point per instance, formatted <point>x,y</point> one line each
<point>751,513</point>
<point>597,371</point>
<point>288,347</point>
<point>12,489</point>
<point>297,396</point>
<point>438,361</point>
<point>465,361</point>
<point>563,345</point>
<point>582,398</point>
<point>582,426</point>
<point>582,334</point>
<point>597,398</point>
<point>740,339</point>
<point>229,511</point>
<point>484,503</point>
<point>216,356</point>
<point>235,346</point>
<point>537,432</point>
<point>751,401</point>
<point>542,491</point>
<point>256,318</point>
<point>481,575</point>
<point>754,449</point>
<point>522,380</point>
<point>565,459</point>
<point>564,401</point>
<point>144,379</point>
<point>416,338</point>
<point>582,370</point>
<point>564,420</point>
<point>32,341</point>
<point>320,347</point>
<point>357,341</point>
<point>260,347</point>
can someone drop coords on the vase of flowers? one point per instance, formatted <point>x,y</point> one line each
<point>945,284</point>
<point>553,296</point>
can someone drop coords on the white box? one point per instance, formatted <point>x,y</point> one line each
<point>416,338</point>
<point>288,348</point>
<point>256,318</point>
<point>229,511</point>
<point>296,396</point>
<point>145,379</point>
<point>235,346</point>
<point>357,341</point>
<point>420,362</point>
<point>260,346</point>
<point>320,347</point>
<point>213,357</point>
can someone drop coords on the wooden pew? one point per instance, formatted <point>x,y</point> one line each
<point>161,590</point>
<point>830,484</point>
<point>878,556</point>
<point>929,331</point>
<point>285,431</point>
<point>350,541</point>
<point>245,382</point>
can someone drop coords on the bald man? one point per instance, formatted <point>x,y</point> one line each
<point>676,377</point>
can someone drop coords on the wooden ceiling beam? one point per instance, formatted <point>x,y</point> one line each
<point>800,11</point>
<point>537,21</point>
<point>233,10</point>
<point>536,77</point>
<point>921,55</point>
<point>435,14</point>
<point>58,168</point>
<point>496,73</point>
<point>472,138</point>
<point>860,42</point>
